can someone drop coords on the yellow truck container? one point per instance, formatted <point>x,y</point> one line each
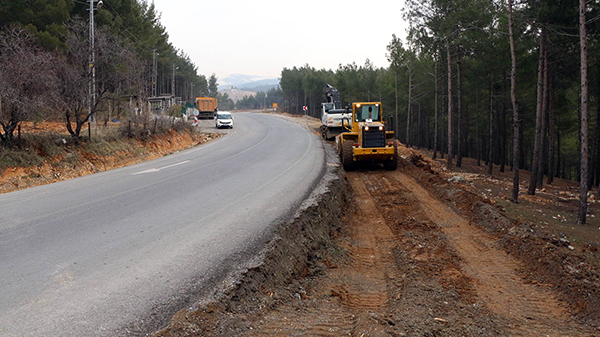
<point>207,106</point>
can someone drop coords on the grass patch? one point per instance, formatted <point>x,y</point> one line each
<point>48,144</point>
<point>32,149</point>
<point>106,147</point>
<point>19,158</point>
<point>71,159</point>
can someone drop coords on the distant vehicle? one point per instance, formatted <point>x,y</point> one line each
<point>224,119</point>
<point>207,106</point>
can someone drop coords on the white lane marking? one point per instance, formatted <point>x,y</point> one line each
<point>146,171</point>
<point>152,170</point>
<point>173,165</point>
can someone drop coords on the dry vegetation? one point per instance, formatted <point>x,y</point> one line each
<point>46,154</point>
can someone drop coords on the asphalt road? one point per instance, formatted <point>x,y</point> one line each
<point>117,252</point>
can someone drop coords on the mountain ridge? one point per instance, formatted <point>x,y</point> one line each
<point>248,82</point>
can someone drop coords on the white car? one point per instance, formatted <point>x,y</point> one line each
<point>223,119</point>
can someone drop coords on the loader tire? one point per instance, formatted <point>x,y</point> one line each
<point>392,164</point>
<point>348,156</point>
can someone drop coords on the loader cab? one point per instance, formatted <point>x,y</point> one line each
<point>367,112</point>
<point>363,113</point>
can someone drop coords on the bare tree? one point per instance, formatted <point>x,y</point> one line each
<point>117,70</point>
<point>583,177</point>
<point>27,80</point>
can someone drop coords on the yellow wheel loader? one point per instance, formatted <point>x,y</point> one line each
<point>364,138</point>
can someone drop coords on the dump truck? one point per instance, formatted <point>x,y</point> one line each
<point>332,114</point>
<point>207,107</point>
<point>364,138</point>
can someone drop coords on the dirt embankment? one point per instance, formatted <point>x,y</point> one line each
<point>407,254</point>
<point>413,252</point>
<point>76,161</point>
<point>301,248</point>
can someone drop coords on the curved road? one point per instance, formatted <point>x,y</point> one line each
<point>114,253</point>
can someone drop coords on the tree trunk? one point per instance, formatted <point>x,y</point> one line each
<point>502,127</point>
<point>513,96</point>
<point>459,115</point>
<point>409,112</point>
<point>551,133</point>
<point>543,161</point>
<point>465,127</point>
<point>597,156</point>
<point>535,165</point>
<point>450,129</point>
<point>435,135</point>
<point>419,141</point>
<point>558,156</point>
<point>583,184</point>
<point>491,129</point>
<point>9,128</point>
<point>444,126</point>
<point>396,130</point>
<point>478,139</point>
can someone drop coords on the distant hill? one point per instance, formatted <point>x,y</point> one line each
<point>247,83</point>
<point>236,94</point>
<point>261,85</point>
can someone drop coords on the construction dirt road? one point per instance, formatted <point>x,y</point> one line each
<point>420,251</point>
<point>411,253</point>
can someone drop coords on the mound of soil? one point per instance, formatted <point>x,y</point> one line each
<point>417,253</point>
<point>301,248</point>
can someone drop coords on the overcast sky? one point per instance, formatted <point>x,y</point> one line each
<point>261,37</point>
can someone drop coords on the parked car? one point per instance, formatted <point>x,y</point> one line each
<point>224,119</point>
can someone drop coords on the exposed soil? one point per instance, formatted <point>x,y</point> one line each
<point>75,161</point>
<point>418,255</point>
<point>420,251</point>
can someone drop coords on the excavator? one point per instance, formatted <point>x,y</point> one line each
<point>365,138</point>
<point>332,114</point>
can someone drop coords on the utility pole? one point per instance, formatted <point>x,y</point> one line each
<point>153,72</point>
<point>192,98</point>
<point>173,81</point>
<point>92,66</point>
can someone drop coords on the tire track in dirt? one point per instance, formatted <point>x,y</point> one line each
<point>313,322</point>
<point>434,296</point>
<point>529,310</point>
<point>372,245</point>
<point>353,293</point>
